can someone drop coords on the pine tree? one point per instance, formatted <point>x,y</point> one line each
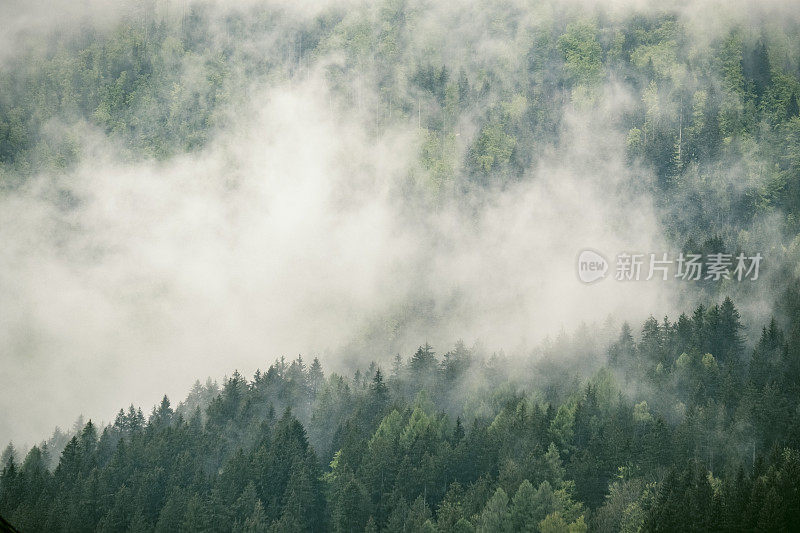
<point>458,432</point>
<point>496,517</point>
<point>9,486</point>
<point>379,393</point>
<point>418,515</point>
<point>792,109</point>
<point>70,465</point>
<point>621,352</point>
<point>423,367</point>
<point>524,509</point>
<point>303,499</point>
<point>197,517</point>
<point>423,361</point>
<point>351,511</point>
<point>162,415</point>
<point>396,377</point>
<point>171,516</point>
<point>316,377</point>
<point>396,522</point>
<point>257,522</point>
<point>756,68</point>
<point>730,326</point>
<point>451,508</point>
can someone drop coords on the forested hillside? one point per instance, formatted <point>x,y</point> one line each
<point>680,430</point>
<point>679,128</point>
<point>713,112</point>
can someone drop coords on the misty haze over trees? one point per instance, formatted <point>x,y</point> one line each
<point>459,442</point>
<point>189,187</point>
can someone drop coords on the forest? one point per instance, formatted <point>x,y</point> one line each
<point>662,436</point>
<point>684,422</point>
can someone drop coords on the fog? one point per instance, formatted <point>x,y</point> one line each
<point>294,230</point>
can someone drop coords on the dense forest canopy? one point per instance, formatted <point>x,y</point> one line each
<point>662,435</point>
<point>187,188</point>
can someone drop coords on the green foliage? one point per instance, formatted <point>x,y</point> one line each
<point>685,426</point>
<point>158,87</point>
<point>583,55</point>
<point>597,453</point>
